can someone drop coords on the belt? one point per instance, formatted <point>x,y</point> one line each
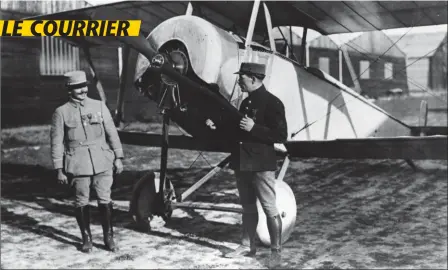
<point>75,144</point>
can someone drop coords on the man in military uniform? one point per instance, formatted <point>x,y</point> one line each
<point>86,150</point>
<point>255,161</point>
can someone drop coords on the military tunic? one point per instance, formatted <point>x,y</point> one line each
<point>256,151</point>
<point>84,140</point>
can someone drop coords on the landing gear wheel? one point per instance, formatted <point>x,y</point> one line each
<point>287,208</point>
<point>145,201</point>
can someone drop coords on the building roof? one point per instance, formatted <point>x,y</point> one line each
<point>341,39</point>
<point>374,42</point>
<point>324,42</point>
<point>419,44</point>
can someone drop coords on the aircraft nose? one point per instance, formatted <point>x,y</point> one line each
<point>158,60</point>
<point>148,82</point>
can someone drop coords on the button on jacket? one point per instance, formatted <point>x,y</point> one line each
<point>84,140</point>
<point>256,151</point>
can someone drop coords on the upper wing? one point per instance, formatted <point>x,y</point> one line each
<point>330,17</point>
<point>334,17</point>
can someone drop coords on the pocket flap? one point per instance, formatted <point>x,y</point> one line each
<point>105,147</point>
<point>71,124</point>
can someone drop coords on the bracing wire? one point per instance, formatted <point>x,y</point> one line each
<point>408,65</point>
<point>307,125</point>
<point>393,44</point>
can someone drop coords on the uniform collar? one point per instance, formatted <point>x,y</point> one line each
<point>75,103</point>
<point>257,92</point>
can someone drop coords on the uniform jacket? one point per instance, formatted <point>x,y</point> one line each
<point>256,151</point>
<point>84,140</point>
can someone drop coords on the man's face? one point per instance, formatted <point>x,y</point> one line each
<point>244,82</point>
<point>79,93</point>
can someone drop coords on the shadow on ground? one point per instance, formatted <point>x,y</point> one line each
<point>37,184</point>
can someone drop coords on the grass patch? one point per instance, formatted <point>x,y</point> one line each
<point>25,136</point>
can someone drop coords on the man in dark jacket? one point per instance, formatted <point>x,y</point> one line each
<point>254,159</point>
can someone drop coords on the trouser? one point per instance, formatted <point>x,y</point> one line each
<point>261,185</point>
<point>101,182</point>
<point>253,185</point>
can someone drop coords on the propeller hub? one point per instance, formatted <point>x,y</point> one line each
<point>179,61</point>
<point>158,60</point>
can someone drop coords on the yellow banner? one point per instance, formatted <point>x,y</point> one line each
<point>70,28</point>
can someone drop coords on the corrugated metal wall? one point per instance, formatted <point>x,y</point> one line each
<point>31,83</point>
<point>57,57</point>
<point>41,6</point>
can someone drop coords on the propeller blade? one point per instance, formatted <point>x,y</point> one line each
<point>139,43</point>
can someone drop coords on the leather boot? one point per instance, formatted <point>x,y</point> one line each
<point>275,233</point>
<point>83,218</point>
<point>250,222</point>
<point>106,222</point>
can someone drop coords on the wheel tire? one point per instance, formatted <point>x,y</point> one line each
<point>287,208</point>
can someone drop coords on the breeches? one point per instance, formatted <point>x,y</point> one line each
<point>253,185</point>
<point>101,182</point>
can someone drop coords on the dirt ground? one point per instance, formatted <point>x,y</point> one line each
<point>351,214</point>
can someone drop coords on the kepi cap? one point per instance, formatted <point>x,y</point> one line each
<point>252,68</point>
<point>76,79</point>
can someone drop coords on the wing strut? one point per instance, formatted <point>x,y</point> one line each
<point>253,20</point>
<point>96,80</point>
<point>123,71</point>
<point>304,57</point>
<point>350,68</point>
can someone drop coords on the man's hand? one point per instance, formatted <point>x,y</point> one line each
<point>118,166</point>
<point>247,123</point>
<point>62,178</point>
<point>210,124</point>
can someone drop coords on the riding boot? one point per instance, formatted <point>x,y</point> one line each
<point>275,233</point>
<point>250,222</point>
<point>106,222</point>
<point>83,218</point>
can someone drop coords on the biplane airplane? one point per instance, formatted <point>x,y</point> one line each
<point>188,53</point>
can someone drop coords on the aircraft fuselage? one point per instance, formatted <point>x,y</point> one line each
<point>317,106</point>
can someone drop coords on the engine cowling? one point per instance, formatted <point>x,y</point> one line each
<point>212,52</point>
